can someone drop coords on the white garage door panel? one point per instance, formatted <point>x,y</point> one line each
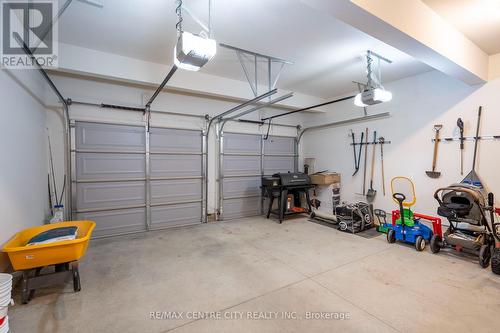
<point>111,180</point>
<point>245,158</point>
<point>99,166</point>
<point>234,165</point>
<point>105,137</point>
<point>276,145</point>
<point>275,164</point>
<point>110,195</point>
<point>114,222</point>
<point>242,144</point>
<point>178,190</point>
<point>175,140</point>
<point>175,215</point>
<point>242,187</point>
<point>176,166</point>
<point>243,207</point>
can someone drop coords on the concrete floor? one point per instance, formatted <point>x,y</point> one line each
<point>255,265</point>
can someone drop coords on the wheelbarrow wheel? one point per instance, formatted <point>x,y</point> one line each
<point>495,261</point>
<point>391,236</point>
<point>484,256</point>
<point>435,243</point>
<point>76,280</point>
<point>420,243</point>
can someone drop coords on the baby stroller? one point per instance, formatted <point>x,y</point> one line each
<point>470,231</point>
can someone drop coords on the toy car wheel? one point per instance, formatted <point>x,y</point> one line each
<point>420,243</point>
<point>495,261</point>
<point>435,243</point>
<point>484,256</point>
<point>391,236</point>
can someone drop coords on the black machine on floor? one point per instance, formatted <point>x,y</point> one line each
<point>280,186</point>
<point>471,229</point>
<point>354,217</point>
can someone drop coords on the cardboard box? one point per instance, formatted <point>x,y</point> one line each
<point>326,178</point>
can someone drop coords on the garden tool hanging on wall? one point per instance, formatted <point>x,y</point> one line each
<point>381,140</point>
<point>366,157</point>
<point>357,159</point>
<point>370,195</point>
<point>472,178</point>
<point>433,173</point>
<point>460,125</point>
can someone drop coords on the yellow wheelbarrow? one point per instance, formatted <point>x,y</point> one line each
<point>64,256</point>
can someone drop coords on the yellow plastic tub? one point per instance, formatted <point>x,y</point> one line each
<point>24,257</point>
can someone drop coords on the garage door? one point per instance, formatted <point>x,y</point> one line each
<point>240,172</point>
<point>244,158</point>
<point>176,181</point>
<point>280,155</point>
<point>128,180</point>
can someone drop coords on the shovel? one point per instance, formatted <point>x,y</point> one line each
<point>434,173</point>
<point>370,195</point>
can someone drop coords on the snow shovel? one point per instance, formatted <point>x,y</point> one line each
<point>371,193</point>
<point>434,173</point>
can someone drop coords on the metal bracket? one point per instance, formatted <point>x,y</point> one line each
<point>255,58</point>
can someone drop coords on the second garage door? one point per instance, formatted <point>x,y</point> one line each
<point>243,159</point>
<point>128,180</point>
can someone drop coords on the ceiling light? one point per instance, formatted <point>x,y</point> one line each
<point>372,97</point>
<point>373,92</point>
<point>192,51</point>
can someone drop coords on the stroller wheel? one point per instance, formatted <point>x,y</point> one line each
<point>495,261</point>
<point>435,243</point>
<point>484,255</point>
<point>420,243</point>
<point>391,236</point>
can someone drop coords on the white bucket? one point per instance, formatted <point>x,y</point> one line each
<point>4,294</point>
<point>3,311</point>
<point>5,288</point>
<point>5,279</point>
<point>5,326</point>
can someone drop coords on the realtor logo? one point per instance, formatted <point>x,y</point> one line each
<point>29,24</point>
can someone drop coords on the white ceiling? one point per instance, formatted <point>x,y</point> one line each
<point>479,20</point>
<point>327,53</point>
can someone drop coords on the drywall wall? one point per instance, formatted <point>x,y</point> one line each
<point>494,67</point>
<point>23,164</point>
<point>98,91</point>
<point>419,103</point>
